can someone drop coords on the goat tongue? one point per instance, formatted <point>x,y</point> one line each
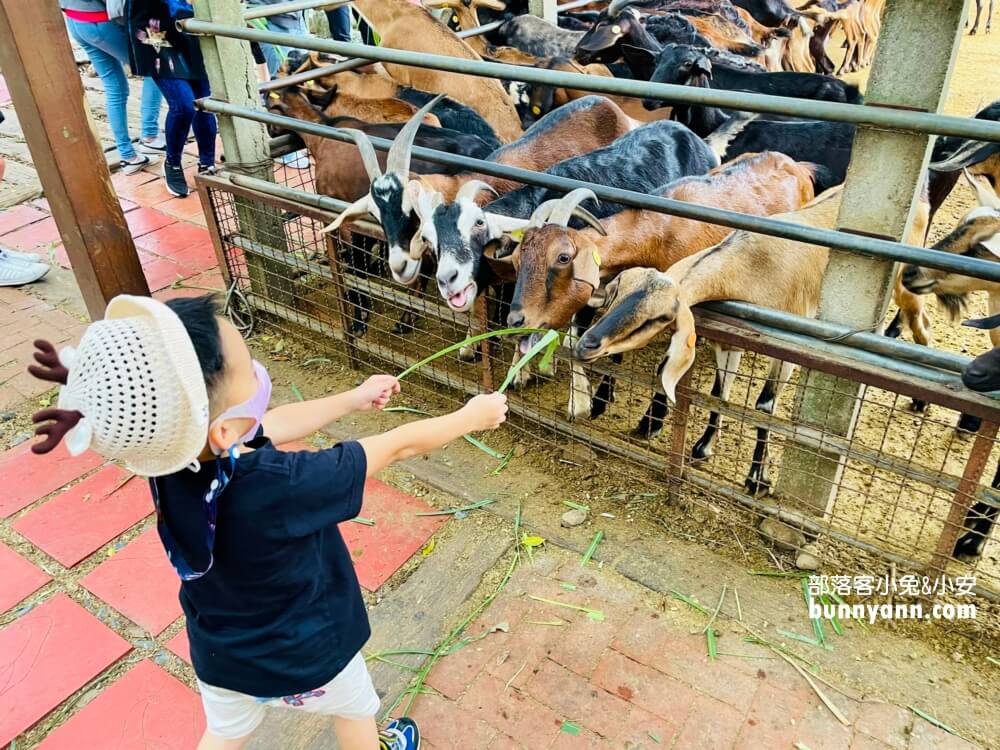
<point>527,342</point>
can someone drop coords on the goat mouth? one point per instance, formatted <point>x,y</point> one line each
<point>588,354</point>
<point>924,287</point>
<point>462,301</point>
<point>407,278</point>
<point>526,342</point>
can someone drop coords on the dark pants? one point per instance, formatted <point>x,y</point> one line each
<point>340,23</point>
<point>182,117</point>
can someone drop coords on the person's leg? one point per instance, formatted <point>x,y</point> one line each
<point>356,734</point>
<point>110,70</point>
<point>180,113</point>
<point>151,101</point>
<point>340,23</point>
<point>204,126</point>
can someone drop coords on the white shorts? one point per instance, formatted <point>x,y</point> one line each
<point>349,695</point>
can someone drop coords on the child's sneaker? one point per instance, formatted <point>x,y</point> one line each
<point>207,169</point>
<point>401,734</point>
<point>136,164</point>
<point>153,146</point>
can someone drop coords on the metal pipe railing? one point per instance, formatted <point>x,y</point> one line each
<point>360,62</point>
<point>854,243</point>
<point>830,333</point>
<point>858,114</point>
<point>273,10</point>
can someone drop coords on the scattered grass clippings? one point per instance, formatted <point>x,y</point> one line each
<point>713,650</point>
<point>572,587</point>
<point>451,511</point>
<point>932,720</point>
<point>576,506</point>
<point>993,660</point>
<point>591,549</point>
<point>691,602</point>
<point>554,623</point>
<point>297,392</point>
<point>655,738</point>
<point>364,521</point>
<point>428,548</point>
<point>504,460</point>
<point>593,614</point>
<point>570,728</point>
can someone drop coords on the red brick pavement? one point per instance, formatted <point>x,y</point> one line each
<point>637,679</point>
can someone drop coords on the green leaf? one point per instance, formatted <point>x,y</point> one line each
<point>595,615</point>
<point>932,720</point>
<point>576,506</point>
<point>532,541</point>
<point>570,728</point>
<point>572,587</point>
<point>545,363</point>
<point>591,549</point>
<point>713,649</point>
<point>533,352</point>
<point>297,392</point>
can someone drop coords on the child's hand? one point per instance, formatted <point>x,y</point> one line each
<point>486,412</point>
<point>375,392</point>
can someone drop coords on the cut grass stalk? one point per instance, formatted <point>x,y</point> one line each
<point>550,339</point>
<point>835,621</point>
<point>364,521</point>
<point>593,614</point>
<point>691,602</point>
<point>739,609</point>
<point>713,650</point>
<point>837,598</point>
<point>466,342</point>
<point>297,392</point>
<point>718,606</point>
<point>993,660</point>
<point>817,622</point>
<point>591,549</point>
<point>576,506</point>
<point>939,724</point>
<point>452,511</point>
<point>802,638</point>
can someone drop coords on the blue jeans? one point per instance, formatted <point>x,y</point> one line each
<point>182,117</point>
<point>340,23</point>
<point>106,43</point>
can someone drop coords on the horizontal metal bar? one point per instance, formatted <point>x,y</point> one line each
<point>360,62</point>
<point>859,114</point>
<point>266,11</point>
<point>834,332</point>
<point>854,243</point>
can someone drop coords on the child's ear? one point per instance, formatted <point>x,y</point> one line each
<point>221,437</point>
<point>680,355</point>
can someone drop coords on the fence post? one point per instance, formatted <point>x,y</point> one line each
<point>48,97</point>
<point>883,180</point>
<point>231,74</point>
<point>543,8</point>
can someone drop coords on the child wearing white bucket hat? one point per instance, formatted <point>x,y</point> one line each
<point>275,614</point>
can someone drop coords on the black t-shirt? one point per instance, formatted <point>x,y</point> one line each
<point>281,610</point>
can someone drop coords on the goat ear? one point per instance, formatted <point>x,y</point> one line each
<point>985,194</point>
<point>501,261</point>
<point>680,355</point>
<point>361,207</point>
<point>641,61</point>
<point>992,244</point>
<point>703,65</point>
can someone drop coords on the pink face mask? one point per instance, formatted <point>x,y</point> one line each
<point>253,408</point>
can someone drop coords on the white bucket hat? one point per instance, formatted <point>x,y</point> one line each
<point>136,381</point>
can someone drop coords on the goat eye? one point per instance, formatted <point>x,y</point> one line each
<point>480,222</point>
<point>563,259</point>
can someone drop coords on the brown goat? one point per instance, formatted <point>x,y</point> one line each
<point>468,18</point>
<point>559,269</point>
<point>402,25</point>
<point>336,103</point>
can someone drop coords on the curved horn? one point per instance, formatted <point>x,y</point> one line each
<point>398,161</point>
<point>540,216</point>
<point>617,6</point>
<point>566,206</point>
<point>471,189</point>
<point>367,151</point>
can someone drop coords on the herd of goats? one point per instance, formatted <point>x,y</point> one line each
<point>556,260</point>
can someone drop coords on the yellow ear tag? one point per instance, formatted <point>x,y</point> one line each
<point>692,340</point>
<point>597,259</point>
<point>274,97</point>
<point>536,110</point>
<point>517,235</point>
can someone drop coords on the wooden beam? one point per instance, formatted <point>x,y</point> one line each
<point>49,100</point>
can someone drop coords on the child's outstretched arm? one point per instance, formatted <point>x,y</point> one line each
<point>295,421</point>
<point>486,412</point>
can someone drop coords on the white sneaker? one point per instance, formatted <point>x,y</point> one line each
<point>6,252</point>
<point>140,163</point>
<point>17,272</point>
<point>156,146</point>
<point>296,159</point>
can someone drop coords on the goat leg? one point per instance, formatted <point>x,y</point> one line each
<point>978,524</point>
<point>727,364</point>
<point>758,480</point>
<point>968,423</point>
<point>605,394</point>
<point>652,421</point>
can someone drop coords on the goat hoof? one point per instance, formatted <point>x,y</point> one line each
<point>701,451</point>
<point>359,328</point>
<point>578,408</point>
<point>918,406</point>
<point>970,544</point>
<point>403,327</point>
<point>468,354</point>
<point>648,428</point>
<point>598,406</point>
<point>758,484</point>
<point>968,423</point>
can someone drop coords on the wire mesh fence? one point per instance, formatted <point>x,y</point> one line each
<point>900,501</point>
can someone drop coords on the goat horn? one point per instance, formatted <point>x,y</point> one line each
<point>471,189</point>
<point>540,216</point>
<point>398,161</point>
<point>360,207</point>
<point>566,207</point>
<point>617,6</point>
<point>367,151</point>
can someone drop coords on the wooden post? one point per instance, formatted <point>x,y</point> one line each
<point>38,66</point>
<point>231,74</point>
<point>883,180</point>
<point>544,8</point>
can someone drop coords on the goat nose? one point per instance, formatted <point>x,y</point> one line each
<point>587,343</point>
<point>515,319</point>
